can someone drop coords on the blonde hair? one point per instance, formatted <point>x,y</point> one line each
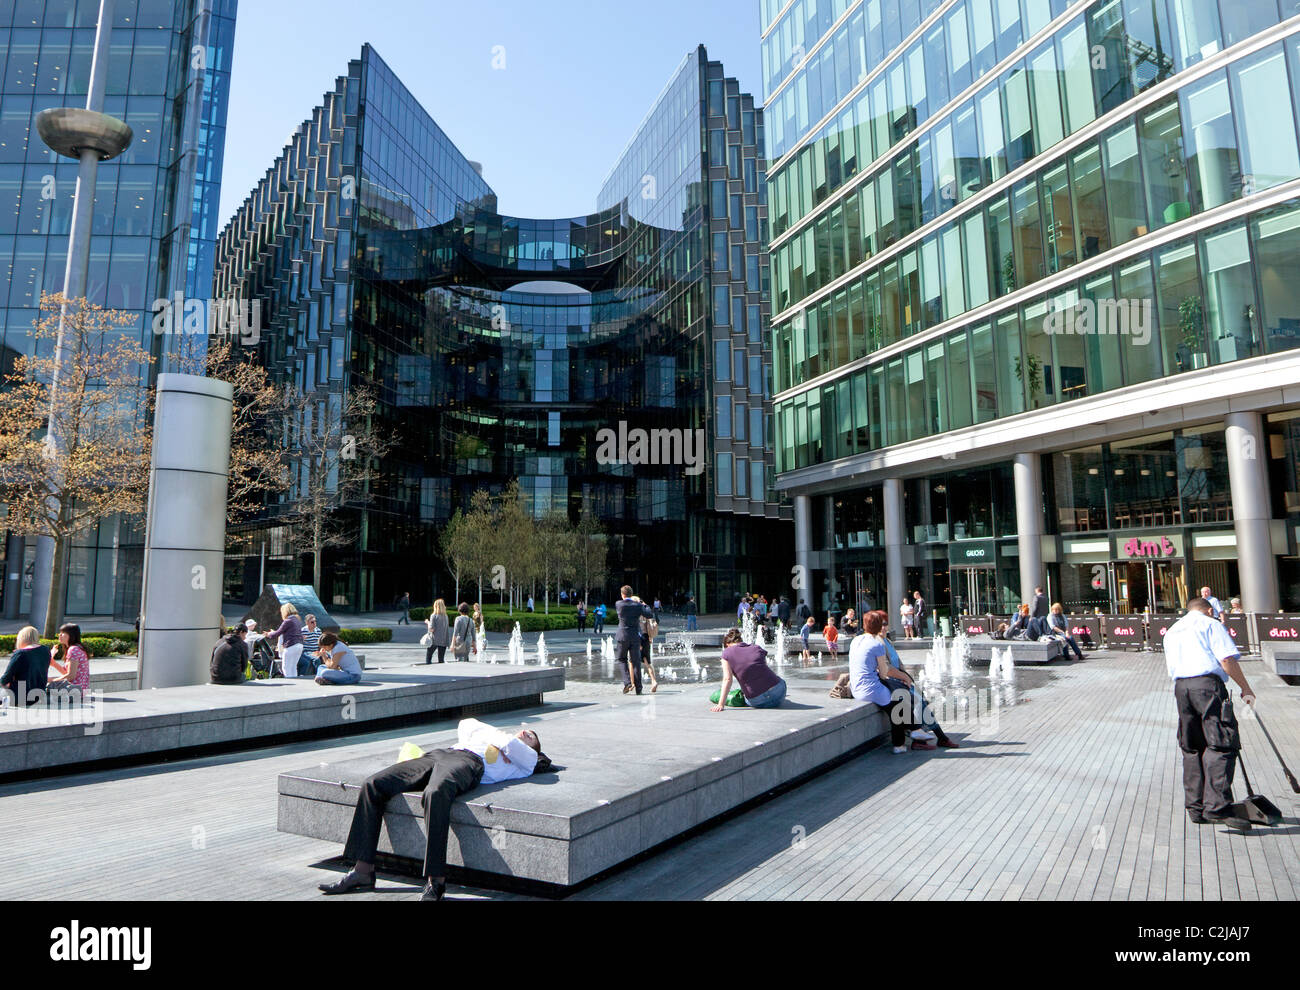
<point>27,636</point>
<point>439,607</point>
<point>1056,607</point>
<point>287,610</point>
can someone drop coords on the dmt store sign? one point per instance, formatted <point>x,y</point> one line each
<point>1150,547</point>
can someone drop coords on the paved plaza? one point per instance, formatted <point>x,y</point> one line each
<point>1072,791</point>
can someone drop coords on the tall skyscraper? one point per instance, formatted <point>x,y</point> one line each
<point>1034,315</point>
<point>154,224</point>
<point>503,348</point>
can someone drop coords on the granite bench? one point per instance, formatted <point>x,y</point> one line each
<point>1023,651</point>
<point>161,723</point>
<point>637,773</point>
<point>1282,658</point>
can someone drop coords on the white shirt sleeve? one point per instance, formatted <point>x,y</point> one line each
<point>1221,642</point>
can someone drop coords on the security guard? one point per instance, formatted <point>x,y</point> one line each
<point>1201,656</point>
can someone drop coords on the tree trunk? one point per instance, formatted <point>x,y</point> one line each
<point>58,590</point>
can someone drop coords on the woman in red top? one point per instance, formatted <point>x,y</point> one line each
<point>70,660</point>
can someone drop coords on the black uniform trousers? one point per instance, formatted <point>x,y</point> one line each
<point>1209,739</point>
<point>443,775</point>
<point>629,652</point>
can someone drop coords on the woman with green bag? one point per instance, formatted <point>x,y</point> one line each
<point>759,684</point>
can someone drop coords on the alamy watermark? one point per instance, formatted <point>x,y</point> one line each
<point>1104,317</point>
<point>638,446</point>
<point>208,318</point>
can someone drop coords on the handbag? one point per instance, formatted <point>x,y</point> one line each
<point>426,640</point>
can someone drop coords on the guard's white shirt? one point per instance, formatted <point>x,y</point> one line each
<point>505,756</point>
<point>1195,644</point>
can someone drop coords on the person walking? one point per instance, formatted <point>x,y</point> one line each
<point>1200,656</point>
<point>692,614</point>
<point>582,617</point>
<point>598,619</point>
<point>462,633</point>
<point>404,606</point>
<point>476,616</point>
<point>627,640</point>
<point>1216,606</point>
<point>783,612</point>
<point>805,631</point>
<point>802,612</point>
<point>439,632</point>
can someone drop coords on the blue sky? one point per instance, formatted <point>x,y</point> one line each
<point>579,76</point>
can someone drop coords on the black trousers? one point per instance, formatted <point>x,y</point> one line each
<point>442,654</point>
<point>900,711</point>
<point>1209,739</point>
<point>443,775</point>
<point>629,652</point>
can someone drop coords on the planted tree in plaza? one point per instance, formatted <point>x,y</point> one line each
<point>513,540</point>
<point>590,552</point>
<point>454,543</point>
<point>333,448</point>
<point>75,429</point>
<point>480,522</point>
<point>258,466</point>
<point>555,551</point>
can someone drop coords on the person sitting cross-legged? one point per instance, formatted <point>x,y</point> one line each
<point>339,665</point>
<point>482,754</point>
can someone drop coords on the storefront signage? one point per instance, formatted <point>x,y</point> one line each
<point>973,553</point>
<point>1142,547</point>
<point>973,626</point>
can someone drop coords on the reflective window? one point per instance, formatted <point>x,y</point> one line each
<point>1264,121</point>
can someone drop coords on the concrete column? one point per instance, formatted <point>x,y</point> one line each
<point>1251,512</point>
<point>803,549</point>
<point>185,531</point>
<point>1028,473</point>
<point>895,538</point>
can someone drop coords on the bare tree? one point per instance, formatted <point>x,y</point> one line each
<point>333,446</point>
<point>78,451</point>
<point>258,465</point>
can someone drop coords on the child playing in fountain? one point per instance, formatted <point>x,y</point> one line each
<point>804,633</point>
<point>831,635</point>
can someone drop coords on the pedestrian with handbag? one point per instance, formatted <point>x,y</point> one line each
<point>462,633</point>
<point>439,635</point>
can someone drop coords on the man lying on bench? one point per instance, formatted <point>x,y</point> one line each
<point>482,754</point>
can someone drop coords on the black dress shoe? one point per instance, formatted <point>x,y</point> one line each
<point>434,890</point>
<point>1196,818</point>
<point>350,883</point>
<point>1229,819</point>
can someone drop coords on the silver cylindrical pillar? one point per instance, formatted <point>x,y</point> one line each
<point>185,531</point>
<point>802,584</point>
<point>1251,512</point>
<point>1027,470</point>
<point>895,537</point>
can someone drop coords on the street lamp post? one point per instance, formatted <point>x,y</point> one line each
<point>90,136</point>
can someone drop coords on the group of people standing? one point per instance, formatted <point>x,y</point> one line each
<point>461,635</point>
<point>305,651</point>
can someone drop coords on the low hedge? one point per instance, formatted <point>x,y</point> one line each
<point>354,636</point>
<point>95,646</point>
<point>569,611</point>
<point>500,622</point>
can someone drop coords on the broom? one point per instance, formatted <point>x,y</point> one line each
<point>1290,777</point>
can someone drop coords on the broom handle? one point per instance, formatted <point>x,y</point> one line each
<point>1250,788</point>
<point>1285,769</point>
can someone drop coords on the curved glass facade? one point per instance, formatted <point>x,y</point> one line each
<point>501,346</point>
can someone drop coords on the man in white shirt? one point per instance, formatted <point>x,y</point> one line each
<point>1200,657</point>
<point>482,754</point>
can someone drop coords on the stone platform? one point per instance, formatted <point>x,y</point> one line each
<point>1282,658</point>
<point>165,722</point>
<point>981,650</point>
<point>637,773</point>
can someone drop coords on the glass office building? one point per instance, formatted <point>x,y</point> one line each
<point>154,226</point>
<point>1034,306</point>
<point>500,347</point>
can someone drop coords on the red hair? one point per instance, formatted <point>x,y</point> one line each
<point>873,623</point>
